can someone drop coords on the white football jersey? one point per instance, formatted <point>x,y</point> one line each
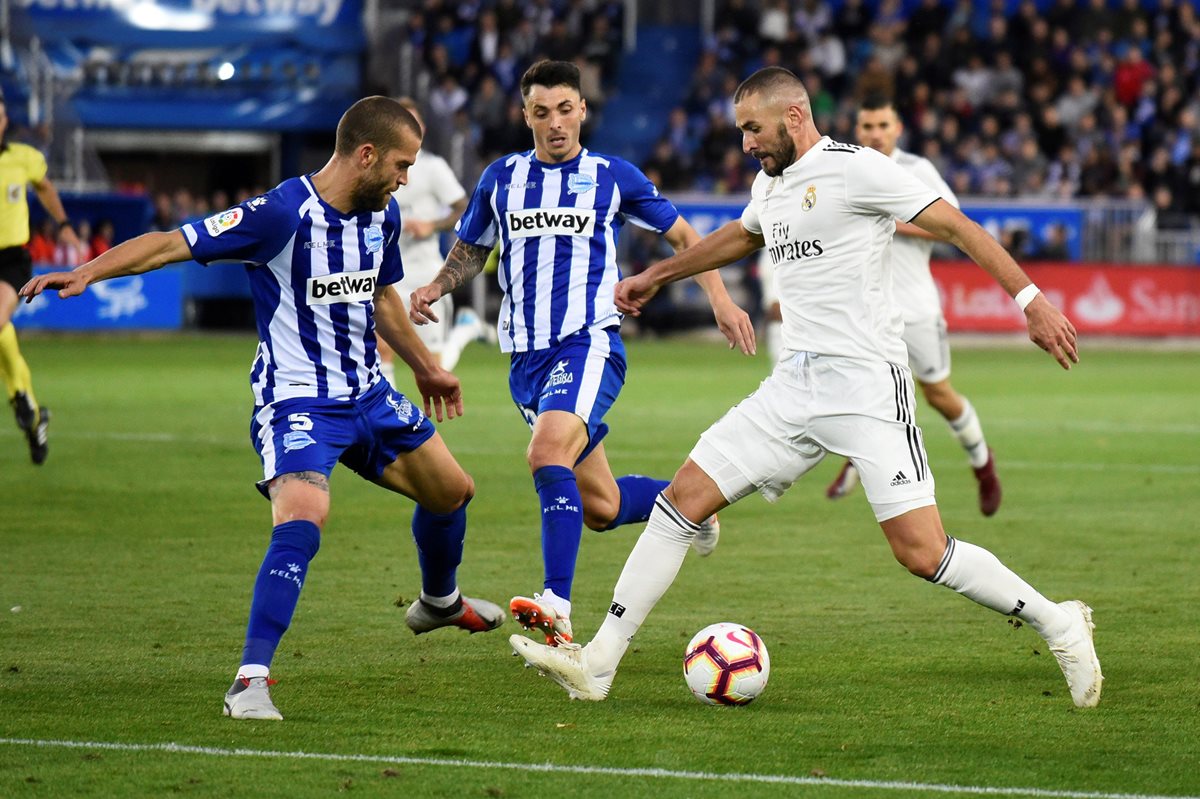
<point>828,221</point>
<point>913,285</point>
<point>432,188</point>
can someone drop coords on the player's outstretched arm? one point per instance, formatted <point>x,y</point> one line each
<point>1048,327</point>
<point>732,321</point>
<point>463,263</point>
<point>440,389</point>
<point>727,244</point>
<point>146,253</point>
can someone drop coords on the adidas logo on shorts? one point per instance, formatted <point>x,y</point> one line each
<point>900,479</point>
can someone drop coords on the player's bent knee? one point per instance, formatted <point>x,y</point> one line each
<point>451,496</point>
<point>301,496</point>
<point>920,564</point>
<point>598,515</point>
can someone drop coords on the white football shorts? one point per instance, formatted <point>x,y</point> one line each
<point>928,349</point>
<point>813,404</point>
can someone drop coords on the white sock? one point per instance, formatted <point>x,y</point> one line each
<point>441,601</point>
<point>980,576</point>
<point>774,340</point>
<point>648,573</point>
<point>967,430</point>
<point>252,670</point>
<point>561,606</point>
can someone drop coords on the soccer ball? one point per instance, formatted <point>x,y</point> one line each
<point>726,664</point>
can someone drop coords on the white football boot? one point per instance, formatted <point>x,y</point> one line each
<point>1076,654</point>
<point>566,665</point>
<point>705,540</point>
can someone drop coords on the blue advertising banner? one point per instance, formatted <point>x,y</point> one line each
<point>1041,231</point>
<point>325,25</point>
<point>153,301</point>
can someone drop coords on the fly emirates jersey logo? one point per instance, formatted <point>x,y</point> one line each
<point>793,250</point>
<point>551,222</point>
<point>342,287</point>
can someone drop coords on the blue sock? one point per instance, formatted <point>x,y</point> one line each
<point>637,498</point>
<point>562,525</point>
<point>439,538</point>
<point>277,589</point>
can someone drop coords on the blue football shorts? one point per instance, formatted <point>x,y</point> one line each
<point>582,374</point>
<point>311,435</point>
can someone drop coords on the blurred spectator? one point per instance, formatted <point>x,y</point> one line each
<point>42,242</point>
<point>673,170</point>
<point>1168,215</point>
<point>1054,245</point>
<point>102,242</point>
<point>1132,73</point>
<point>73,251</point>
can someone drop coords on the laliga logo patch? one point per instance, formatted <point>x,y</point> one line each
<point>810,199</point>
<point>219,223</point>
<point>578,183</point>
<point>374,238</point>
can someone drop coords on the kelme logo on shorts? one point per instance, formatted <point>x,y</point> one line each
<point>342,287</point>
<point>551,222</point>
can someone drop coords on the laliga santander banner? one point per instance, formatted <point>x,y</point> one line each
<point>1110,299</point>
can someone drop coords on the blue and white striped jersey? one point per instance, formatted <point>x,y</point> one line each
<point>313,273</point>
<point>557,226</point>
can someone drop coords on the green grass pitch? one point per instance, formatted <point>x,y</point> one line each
<point>128,559</point>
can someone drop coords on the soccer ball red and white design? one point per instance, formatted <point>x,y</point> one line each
<point>726,664</point>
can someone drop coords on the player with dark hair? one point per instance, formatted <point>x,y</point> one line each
<point>322,256</point>
<point>22,166</point>
<point>825,210</point>
<point>555,211</point>
<point>916,295</point>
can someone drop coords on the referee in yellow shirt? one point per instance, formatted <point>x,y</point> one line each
<point>22,166</point>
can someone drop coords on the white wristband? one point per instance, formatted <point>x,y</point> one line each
<point>1026,295</point>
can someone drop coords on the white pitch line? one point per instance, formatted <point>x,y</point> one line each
<point>607,771</point>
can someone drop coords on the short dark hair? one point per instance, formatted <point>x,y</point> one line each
<point>549,74</point>
<point>767,81</point>
<point>876,101</point>
<point>374,120</point>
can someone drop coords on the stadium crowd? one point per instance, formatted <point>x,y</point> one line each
<point>1081,99</point>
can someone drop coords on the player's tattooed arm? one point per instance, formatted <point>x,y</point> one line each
<point>463,263</point>
<point>312,478</point>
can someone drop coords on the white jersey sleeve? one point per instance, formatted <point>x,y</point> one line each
<point>750,215</point>
<point>927,173</point>
<point>875,184</point>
